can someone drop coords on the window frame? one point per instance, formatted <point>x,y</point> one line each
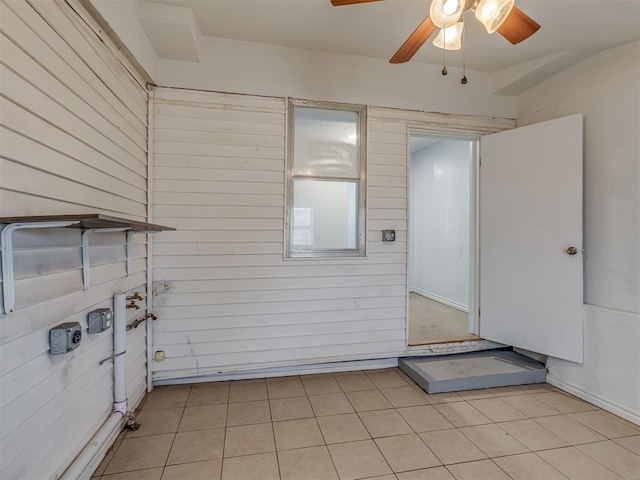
<point>361,181</point>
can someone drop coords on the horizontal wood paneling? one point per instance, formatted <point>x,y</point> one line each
<point>73,139</point>
<point>223,287</point>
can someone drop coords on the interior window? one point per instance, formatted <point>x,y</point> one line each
<point>326,191</point>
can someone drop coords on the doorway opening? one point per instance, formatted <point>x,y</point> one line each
<point>442,240</point>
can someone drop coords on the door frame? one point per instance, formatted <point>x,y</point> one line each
<point>474,254</point>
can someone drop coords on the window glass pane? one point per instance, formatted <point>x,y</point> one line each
<point>326,143</point>
<point>324,215</point>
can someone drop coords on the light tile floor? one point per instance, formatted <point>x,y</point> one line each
<point>373,424</point>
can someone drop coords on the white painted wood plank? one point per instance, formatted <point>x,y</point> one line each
<point>217,199</point>
<point>282,319</point>
<point>218,212</point>
<point>209,186</point>
<point>299,284</point>
<point>386,181</point>
<point>26,124</point>
<point>256,248</point>
<point>216,138</point>
<point>208,236</point>
<point>218,150</point>
<point>196,112</point>
<point>222,224</point>
<point>27,68</point>
<point>191,124</point>
<point>231,163</point>
<point>218,175</point>
<point>218,100</point>
<point>31,32</point>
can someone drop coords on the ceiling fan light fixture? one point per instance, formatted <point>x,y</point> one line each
<point>445,13</point>
<point>493,13</point>
<point>450,38</point>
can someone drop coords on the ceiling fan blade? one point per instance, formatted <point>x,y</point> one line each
<point>339,3</point>
<point>518,26</point>
<point>414,42</point>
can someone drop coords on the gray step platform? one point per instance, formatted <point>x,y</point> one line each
<point>471,371</point>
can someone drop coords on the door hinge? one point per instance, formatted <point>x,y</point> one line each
<point>479,312</point>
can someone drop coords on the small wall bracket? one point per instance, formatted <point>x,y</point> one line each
<point>86,262</point>
<point>6,240</point>
<point>129,237</point>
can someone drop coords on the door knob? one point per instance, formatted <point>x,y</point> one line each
<point>572,250</point>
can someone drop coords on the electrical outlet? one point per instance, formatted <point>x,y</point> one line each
<point>64,338</point>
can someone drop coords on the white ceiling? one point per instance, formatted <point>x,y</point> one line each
<point>377,29</point>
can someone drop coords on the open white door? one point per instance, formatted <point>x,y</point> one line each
<point>531,287</point>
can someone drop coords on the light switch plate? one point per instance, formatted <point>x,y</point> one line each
<point>388,235</point>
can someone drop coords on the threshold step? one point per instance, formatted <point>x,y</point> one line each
<point>472,371</point>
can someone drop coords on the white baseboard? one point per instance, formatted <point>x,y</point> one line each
<point>440,299</point>
<point>609,406</point>
<point>286,371</point>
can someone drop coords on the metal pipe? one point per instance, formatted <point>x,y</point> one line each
<point>87,461</point>
<point>119,352</point>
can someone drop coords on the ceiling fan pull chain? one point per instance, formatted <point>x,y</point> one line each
<point>464,64</point>
<point>444,52</point>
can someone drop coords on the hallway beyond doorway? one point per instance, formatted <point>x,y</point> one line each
<point>435,322</point>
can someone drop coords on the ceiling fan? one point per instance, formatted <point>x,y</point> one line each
<point>500,16</point>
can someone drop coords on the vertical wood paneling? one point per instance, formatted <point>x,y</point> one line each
<point>72,140</point>
<point>227,300</point>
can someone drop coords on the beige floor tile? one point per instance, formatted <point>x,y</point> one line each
<point>154,422</point>
<point>367,400</point>
<point>290,408</point>
<point>210,470</point>
<point>435,473</point>
<point>140,453</point>
<point>391,476</point>
<point>630,443</point>
<point>249,440</point>
<point>353,382</point>
<point>297,434</point>
<point>285,387</point>
<point>530,406</point>
<point>616,458</point>
<point>312,463</point>
<point>496,410</point>
<point>480,470</point>
<point>167,397</point>
<point>342,428</point>
<point>447,397</point>
<point>330,404</point>
<point>576,465</point>
<point>476,394</point>
<point>424,418</point>
<point>387,379</point>
<point>247,391</point>
<point>462,414</point>
<point>493,441</point>
<point>564,403</point>
<point>532,435</point>
<point>451,446</point>
<point>208,394</point>
<point>203,418</point>
<point>110,452</point>
<point>606,425</point>
<point>632,425</point>
<point>404,397</point>
<point>522,389</point>
<point>320,384</point>
<point>406,452</point>
<point>569,430</point>
<point>251,467</point>
<point>248,413</point>
<point>384,423</point>
<point>197,446</point>
<point>528,466</point>
<point>358,460</point>
<point>148,474</point>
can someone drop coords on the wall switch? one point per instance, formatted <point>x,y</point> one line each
<point>64,337</point>
<point>99,320</point>
<point>388,235</point>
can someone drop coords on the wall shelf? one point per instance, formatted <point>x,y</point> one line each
<point>90,223</point>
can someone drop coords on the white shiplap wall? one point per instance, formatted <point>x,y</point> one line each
<point>232,302</point>
<point>226,299</point>
<point>73,139</point>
